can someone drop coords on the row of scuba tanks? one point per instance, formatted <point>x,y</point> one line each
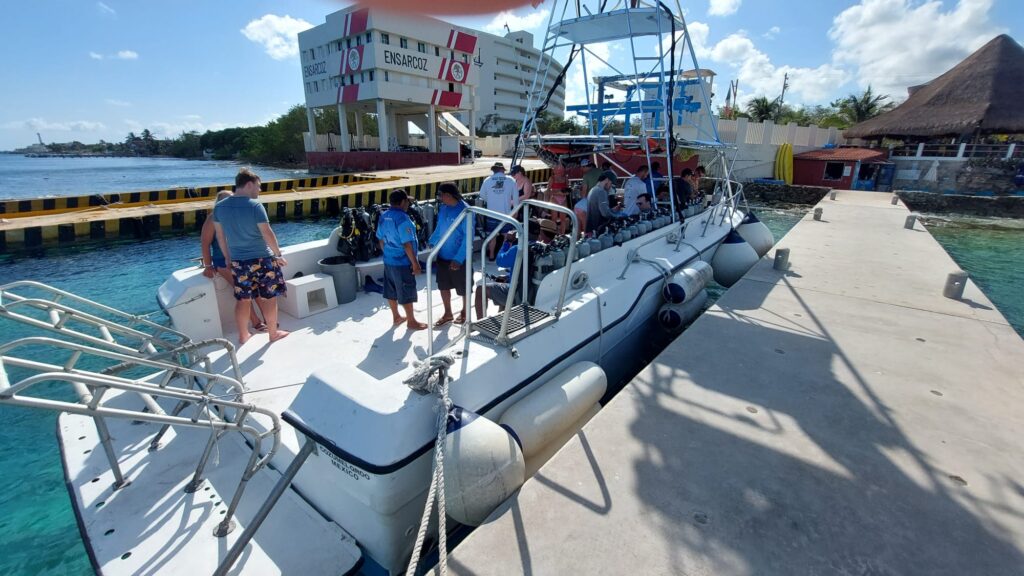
<point>358,239</point>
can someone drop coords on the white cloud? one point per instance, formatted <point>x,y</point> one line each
<point>277,34</point>
<point>104,9</point>
<point>897,43</point>
<point>723,7</point>
<point>127,55</point>
<point>532,20</point>
<point>575,83</point>
<point>758,76</point>
<point>192,117</point>
<point>772,33</point>
<point>95,56</point>
<point>173,129</point>
<point>41,124</point>
<point>118,103</point>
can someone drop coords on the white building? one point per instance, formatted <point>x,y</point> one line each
<point>442,78</point>
<point>507,67</point>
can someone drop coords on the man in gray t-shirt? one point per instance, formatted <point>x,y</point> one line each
<point>250,246</point>
<point>599,212</point>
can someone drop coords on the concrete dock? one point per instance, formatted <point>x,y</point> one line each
<point>840,418</point>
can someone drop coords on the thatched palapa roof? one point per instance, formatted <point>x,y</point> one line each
<point>982,94</point>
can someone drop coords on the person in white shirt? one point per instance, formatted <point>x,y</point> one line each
<point>580,209</point>
<point>499,193</point>
<point>632,190</point>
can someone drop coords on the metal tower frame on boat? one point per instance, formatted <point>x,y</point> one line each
<point>578,27</point>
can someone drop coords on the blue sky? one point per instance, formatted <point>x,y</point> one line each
<point>86,70</point>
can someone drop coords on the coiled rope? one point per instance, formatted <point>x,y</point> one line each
<point>432,377</point>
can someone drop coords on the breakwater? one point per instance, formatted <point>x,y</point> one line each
<point>964,204</point>
<point>39,222</point>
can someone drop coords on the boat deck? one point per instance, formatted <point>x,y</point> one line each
<point>841,418</point>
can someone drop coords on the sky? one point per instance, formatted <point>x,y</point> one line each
<point>88,70</point>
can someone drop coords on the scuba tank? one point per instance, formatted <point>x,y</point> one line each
<point>416,215</point>
<point>429,217</point>
<point>346,245</point>
<point>365,238</point>
<point>582,248</point>
<point>595,244</point>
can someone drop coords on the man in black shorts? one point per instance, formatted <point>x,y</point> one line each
<point>451,260</point>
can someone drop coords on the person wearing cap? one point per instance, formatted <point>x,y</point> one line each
<point>451,260</point>
<point>523,183</point>
<point>397,235</point>
<point>499,194</point>
<point>599,211</point>
<point>591,173</point>
<point>498,290</point>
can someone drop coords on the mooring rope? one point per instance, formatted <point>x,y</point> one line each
<point>432,377</point>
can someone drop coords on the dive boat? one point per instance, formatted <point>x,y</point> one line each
<point>324,452</point>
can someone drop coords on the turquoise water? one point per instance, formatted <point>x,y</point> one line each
<point>22,177</point>
<point>35,514</point>
<point>991,250</point>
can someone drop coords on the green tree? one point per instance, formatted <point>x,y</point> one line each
<point>761,109</point>
<point>857,108</point>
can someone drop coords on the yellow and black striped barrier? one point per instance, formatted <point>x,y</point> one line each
<point>101,220</point>
<point>62,205</point>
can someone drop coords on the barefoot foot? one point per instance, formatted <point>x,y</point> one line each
<point>414,325</point>
<point>397,320</point>
<point>278,335</point>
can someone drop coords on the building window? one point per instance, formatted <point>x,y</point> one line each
<point>370,73</point>
<point>359,40</point>
<point>421,47</point>
<point>369,38</point>
<point>465,58</point>
<point>339,46</point>
<point>437,51</point>
<point>312,54</point>
<point>348,42</point>
<point>403,42</point>
<point>351,79</point>
<point>385,39</point>
<point>833,171</point>
<point>385,75</point>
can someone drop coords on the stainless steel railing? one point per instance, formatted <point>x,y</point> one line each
<point>218,413</point>
<point>467,217</point>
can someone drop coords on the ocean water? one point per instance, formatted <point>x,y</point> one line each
<point>35,513</point>
<point>22,178</point>
<point>991,251</point>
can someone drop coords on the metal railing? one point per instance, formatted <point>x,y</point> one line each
<point>218,413</point>
<point>467,216</point>
<point>120,331</point>
<point>570,257</point>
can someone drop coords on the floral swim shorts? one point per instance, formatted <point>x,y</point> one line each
<point>257,278</point>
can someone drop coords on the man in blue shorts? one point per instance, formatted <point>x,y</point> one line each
<point>249,244</point>
<point>397,235</point>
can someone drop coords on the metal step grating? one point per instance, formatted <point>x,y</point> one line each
<point>521,317</point>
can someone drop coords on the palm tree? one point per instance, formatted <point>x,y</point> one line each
<point>761,108</point>
<point>858,108</point>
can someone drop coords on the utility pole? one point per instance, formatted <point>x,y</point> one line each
<point>782,97</point>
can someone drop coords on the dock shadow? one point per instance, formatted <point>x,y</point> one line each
<point>822,494</point>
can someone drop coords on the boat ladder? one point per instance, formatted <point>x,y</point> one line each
<point>120,365</point>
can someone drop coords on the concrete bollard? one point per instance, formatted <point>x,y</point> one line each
<point>781,259</point>
<point>817,213</point>
<point>895,200</point>
<point>955,284</point>
<point>909,223</point>
<point>832,195</point>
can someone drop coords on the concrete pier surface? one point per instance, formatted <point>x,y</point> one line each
<point>840,418</point>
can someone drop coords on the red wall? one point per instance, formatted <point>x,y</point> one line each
<point>379,160</point>
<point>812,173</point>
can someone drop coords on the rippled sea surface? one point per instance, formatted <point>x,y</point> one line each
<point>23,178</point>
<point>35,514</point>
